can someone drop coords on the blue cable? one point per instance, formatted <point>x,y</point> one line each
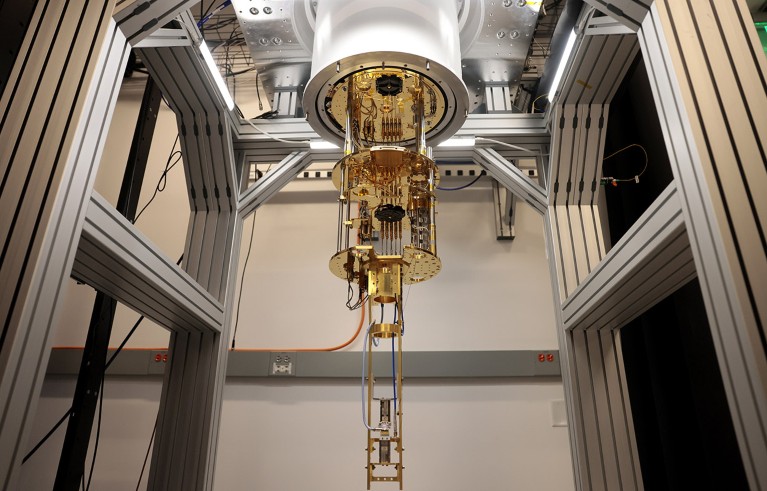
<point>375,339</point>
<point>214,12</point>
<point>362,384</point>
<point>393,377</point>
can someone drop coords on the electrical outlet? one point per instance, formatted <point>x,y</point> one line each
<point>282,364</point>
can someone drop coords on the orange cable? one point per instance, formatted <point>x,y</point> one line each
<point>334,348</point>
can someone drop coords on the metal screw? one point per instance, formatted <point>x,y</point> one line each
<point>501,34</point>
<point>514,34</point>
<point>507,3</point>
<point>522,3</point>
<point>277,41</point>
<point>263,41</point>
<point>267,10</point>
<point>254,10</point>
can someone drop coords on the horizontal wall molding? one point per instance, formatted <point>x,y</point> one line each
<point>337,364</point>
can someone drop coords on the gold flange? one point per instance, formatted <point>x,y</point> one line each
<point>385,331</point>
<point>421,265</point>
<point>381,165</point>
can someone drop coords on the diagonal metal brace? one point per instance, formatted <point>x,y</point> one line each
<point>512,178</point>
<point>266,187</point>
<point>629,13</point>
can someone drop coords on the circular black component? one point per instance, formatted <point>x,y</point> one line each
<point>390,213</point>
<point>389,85</point>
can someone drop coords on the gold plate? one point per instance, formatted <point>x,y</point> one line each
<point>421,265</point>
<point>354,256</point>
<point>408,167</point>
<point>376,109</point>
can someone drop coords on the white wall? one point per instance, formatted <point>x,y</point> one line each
<point>298,435</point>
<point>130,408</point>
<point>458,436</point>
<point>489,295</point>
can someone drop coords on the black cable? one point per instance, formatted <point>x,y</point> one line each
<point>234,74</point>
<point>148,450</point>
<point>462,187</point>
<point>106,366</point>
<point>242,281</point>
<point>217,25</point>
<point>227,44</point>
<point>122,345</point>
<point>47,435</point>
<point>98,434</point>
<point>268,115</point>
<point>163,181</point>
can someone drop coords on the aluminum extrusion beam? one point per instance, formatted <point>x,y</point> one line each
<point>54,110</point>
<point>203,124</point>
<point>528,131</point>
<point>512,178</point>
<point>504,211</point>
<point>604,428</point>
<point>578,243</point>
<point>576,153</point>
<point>165,38</point>
<point>512,128</point>
<point>190,405</point>
<point>599,65</point>
<point>274,180</point>
<point>598,411</point>
<point>601,26</point>
<point>517,129</point>
<point>651,261</point>
<point>114,257</point>
<point>93,363</point>
<point>138,19</point>
<point>630,13</point>
<point>707,72</point>
<point>602,440</point>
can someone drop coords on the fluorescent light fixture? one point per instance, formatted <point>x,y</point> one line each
<point>322,145</point>
<point>562,64</point>
<point>216,75</point>
<point>457,142</point>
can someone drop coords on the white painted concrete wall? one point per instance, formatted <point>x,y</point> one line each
<point>300,435</point>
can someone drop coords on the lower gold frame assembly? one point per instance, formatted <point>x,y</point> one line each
<point>384,449</point>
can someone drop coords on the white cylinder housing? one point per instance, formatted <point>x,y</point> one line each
<point>418,35</point>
